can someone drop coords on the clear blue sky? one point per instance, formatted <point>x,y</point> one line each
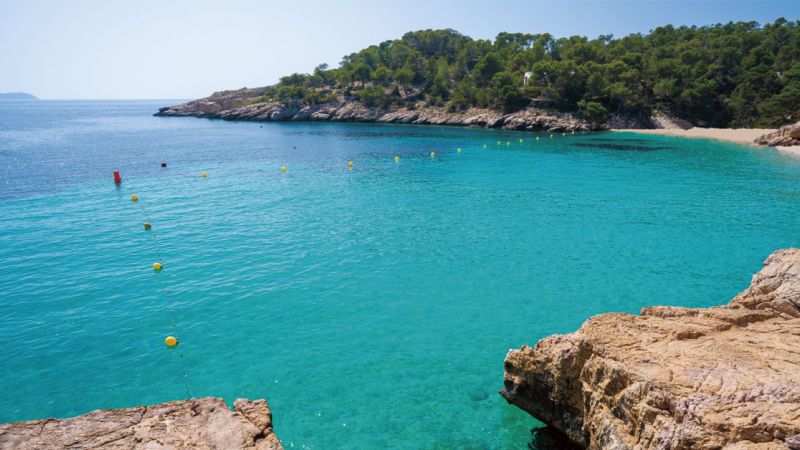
<point>186,49</point>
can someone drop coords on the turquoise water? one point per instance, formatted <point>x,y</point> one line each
<point>372,307</point>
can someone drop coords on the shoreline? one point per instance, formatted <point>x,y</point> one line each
<point>737,135</point>
<point>745,136</point>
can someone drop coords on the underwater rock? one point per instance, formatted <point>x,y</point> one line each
<point>201,423</point>
<point>672,377</point>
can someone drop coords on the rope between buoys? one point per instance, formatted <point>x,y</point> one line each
<point>162,290</point>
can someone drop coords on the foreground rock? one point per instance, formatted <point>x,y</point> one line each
<point>236,105</point>
<point>675,378</point>
<point>785,136</point>
<point>203,423</point>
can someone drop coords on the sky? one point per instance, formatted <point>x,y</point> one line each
<point>182,49</point>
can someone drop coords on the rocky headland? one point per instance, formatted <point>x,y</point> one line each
<point>202,423</point>
<point>675,378</point>
<point>239,105</point>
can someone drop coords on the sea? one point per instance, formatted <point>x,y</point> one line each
<point>371,304</point>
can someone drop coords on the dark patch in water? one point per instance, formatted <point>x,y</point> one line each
<point>617,140</point>
<point>478,396</point>
<point>547,438</point>
<point>609,145</point>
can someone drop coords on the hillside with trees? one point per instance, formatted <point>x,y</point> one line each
<point>727,75</point>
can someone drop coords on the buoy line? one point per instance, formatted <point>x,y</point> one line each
<point>170,341</point>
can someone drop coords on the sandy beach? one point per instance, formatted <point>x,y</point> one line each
<point>738,135</point>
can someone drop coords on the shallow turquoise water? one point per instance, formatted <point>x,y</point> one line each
<point>372,307</point>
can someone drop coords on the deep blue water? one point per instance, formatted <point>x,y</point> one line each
<point>371,306</point>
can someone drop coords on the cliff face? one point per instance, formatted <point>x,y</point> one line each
<point>203,423</point>
<point>233,106</point>
<point>675,378</point>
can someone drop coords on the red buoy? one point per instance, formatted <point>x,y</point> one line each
<point>163,164</point>
<point>117,178</point>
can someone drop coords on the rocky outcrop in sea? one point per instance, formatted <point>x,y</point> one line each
<point>784,136</point>
<point>675,378</point>
<point>202,423</point>
<point>234,106</point>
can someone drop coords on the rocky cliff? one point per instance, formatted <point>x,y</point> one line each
<point>203,423</point>
<point>675,378</point>
<point>784,136</point>
<point>237,105</point>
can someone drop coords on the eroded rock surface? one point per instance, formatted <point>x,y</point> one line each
<point>234,105</point>
<point>784,136</point>
<point>203,423</point>
<point>675,378</point>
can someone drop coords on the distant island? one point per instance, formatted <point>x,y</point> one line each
<point>733,75</point>
<point>17,96</point>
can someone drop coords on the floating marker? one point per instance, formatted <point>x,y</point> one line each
<point>573,132</point>
<point>117,178</point>
<point>204,174</point>
<point>458,149</point>
<point>283,168</point>
<point>350,164</point>
<point>171,341</point>
<point>563,134</point>
<point>134,198</point>
<point>156,266</point>
<point>537,138</point>
<point>521,141</point>
<point>163,164</point>
<point>147,225</point>
<point>484,145</point>
<point>396,158</point>
<point>498,142</point>
<point>433,154</point>
<point>551,136</point>
<point>508,142</point>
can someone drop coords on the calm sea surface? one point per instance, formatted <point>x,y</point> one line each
<point>371,306</point>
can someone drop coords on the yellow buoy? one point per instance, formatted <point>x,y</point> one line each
<point>521,141</point>
<point>498,142</point>
<point>350,164</point>
<point>147,225</point>
<point>204,174</point>
<point>537,138</point>
<point>563,134</point>
<point>433,154</point>
<point>484,145</point>
<point>396,158</point>
<point>508,142</point>
<point>458,149</point>
<point>134,198</point>
<point>283,168</point>
<point>156,266</point>
<point>551,136</point>
<point>171,341</point>
<point>573,132</point>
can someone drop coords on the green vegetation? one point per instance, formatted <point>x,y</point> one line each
<point>735,74</point>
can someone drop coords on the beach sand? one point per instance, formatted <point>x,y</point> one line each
<point>738,135</point>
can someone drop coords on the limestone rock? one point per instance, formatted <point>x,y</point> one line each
<point>784,136</point>
<point>203,423</point>
<point>243,105</point>
<point>675,378</point>
<point>662,120</point>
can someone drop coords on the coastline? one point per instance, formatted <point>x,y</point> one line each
<point>723,376</point>
<point>737,135</point>
<point>745,136</point>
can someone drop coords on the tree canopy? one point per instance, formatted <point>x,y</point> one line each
<point>734,74</point>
